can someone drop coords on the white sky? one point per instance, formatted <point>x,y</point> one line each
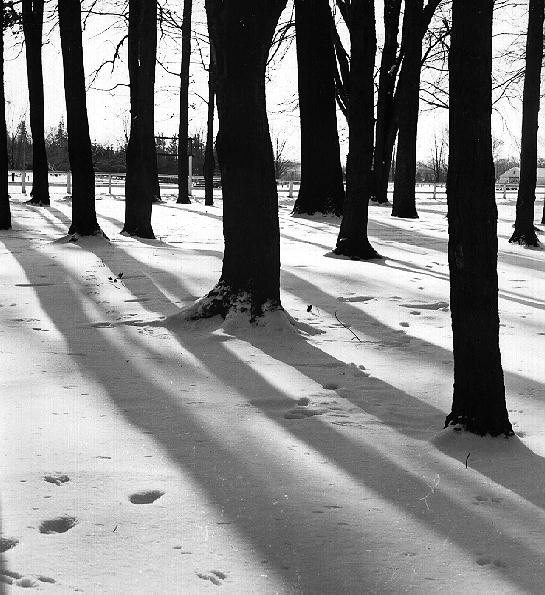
<point>108,112</point>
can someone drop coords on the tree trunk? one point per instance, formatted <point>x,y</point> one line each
<point>385,129</point>
<point>322,187</point>
<point>352,240</point>
<point>479,393</point>
<point>404,200</point>
<point>241,35</point>
<point>5,213</point>
<point>183,131</point>
<point>209,161</point>
<point>33,12</point>
<point>524,222</point>
<point>141,154</point>
<point>84,219</point>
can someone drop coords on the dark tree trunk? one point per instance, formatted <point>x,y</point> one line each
<point>5,213</point>
<point>33,13</point>
<point>352,240</point>
<point>241,33</point>
<point>385,128</point>
<point>155,178</point>
<point>209,162</point>
<point>479,393</point>
<point>322,187</point>
<point>524,223</point>
<point>141,154</point>
<point>404,200</point>
<point>183,131</point>
<point>84,219</point>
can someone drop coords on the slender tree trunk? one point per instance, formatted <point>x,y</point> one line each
<point>479,393</point>
<point>524,223</point>
<point>183,131</point>
<point>33,13</point>
<point>404,200</point>
<point>352,240</point>
<point>141,154</point>
<point>209,161</point>
<point>84,219</point>
<point>241,33</point>
<point>322,187</point>
<point>385,130</point>
<point>5,213</point>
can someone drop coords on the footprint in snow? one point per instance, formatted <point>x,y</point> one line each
<point>146,497</point>
<point>486,500</point>
<point>303,412</point>
<point>56,478</point>
<point>484,561</point>
<point>433,306</point>
<point>6,543</point>
<point>216,577</point>
<point>9,577</point>
<point>60,524</point>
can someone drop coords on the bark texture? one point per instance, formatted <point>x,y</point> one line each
<point>386,127</point>
<point>479,393</point>
<point>84,220</point>
<point>322,188</point>
<point>524,222</point>
<point>183,131</point>
<point>404,200</point>
<point>241,33</point>
<point>141,154</point>
<point>5,212</point>
<point>352,240</point>
<point>33,13</point>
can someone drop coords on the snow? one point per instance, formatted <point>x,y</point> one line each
<point>144,453</point>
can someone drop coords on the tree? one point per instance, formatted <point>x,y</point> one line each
<point>33,13</point>
<point>439,157</point>
<point>321,187</point>
<point>524,222</point>
<point>352,240</point>
<point>241,33</point>
<point>5,213</point>
<point>479,392</point>
<point>183,167</point>
<point>209,161</point>
<point>385,126</point>
<point>141,154</point>
<point>84,219</point>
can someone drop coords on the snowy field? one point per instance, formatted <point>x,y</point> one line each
<point>141,454</point>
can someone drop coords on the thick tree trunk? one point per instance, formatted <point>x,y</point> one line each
<point>84,219</point>
<point>141,154</point>
<point>209,162</point>
<point>479,393</point>
<point>5,213</point>
<point>241,33</point>
<point>385,129</point>
<point>524,223</point>
<point>352,240</point>
<point>404,200</point>
<point>322,187</point>
<point>183,131</point>
<point>33,12</point>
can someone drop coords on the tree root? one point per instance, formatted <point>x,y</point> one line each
<point>356,250</point>
<point>481,427</point>
<point>525,238</point>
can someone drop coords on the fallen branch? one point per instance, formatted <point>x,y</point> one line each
<point>347,328</point>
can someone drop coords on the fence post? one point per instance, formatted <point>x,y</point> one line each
<point>290,194</point>
<point>505,191</point>
<point>110,184</point>
<point>23,182</point>
<point>68,182</point>
<point>190,176</point>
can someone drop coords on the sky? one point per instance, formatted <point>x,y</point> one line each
<point>109,111</point>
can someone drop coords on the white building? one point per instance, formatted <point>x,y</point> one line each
<point>512,176</point>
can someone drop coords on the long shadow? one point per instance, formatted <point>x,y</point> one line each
<point>234,478</point>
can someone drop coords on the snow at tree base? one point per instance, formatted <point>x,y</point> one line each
<point>142,453</point>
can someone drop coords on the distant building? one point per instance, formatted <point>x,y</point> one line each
<point>512,176</point>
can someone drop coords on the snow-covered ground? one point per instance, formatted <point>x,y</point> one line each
<point>141,454</point>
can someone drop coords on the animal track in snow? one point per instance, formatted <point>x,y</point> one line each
<point>486,500</point>
<point>6,543</point>
<point>146,496</point>
<point>60,524</point>
<point>303,413</point>
<point>484,561</point>
<point>9,577</point>
<point>56,478</point>
<point>216,577</point>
